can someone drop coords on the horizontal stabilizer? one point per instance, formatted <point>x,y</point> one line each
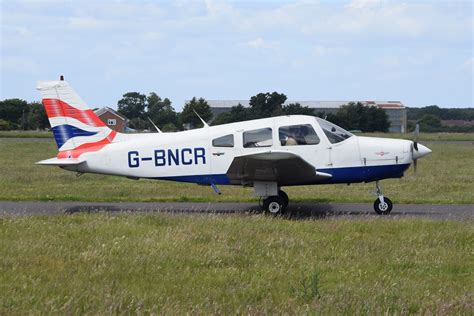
<point>61,162</point>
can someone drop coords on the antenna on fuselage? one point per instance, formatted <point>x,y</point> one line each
<point>203,122</point>
<point>156,127</point>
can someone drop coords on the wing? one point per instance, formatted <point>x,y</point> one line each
<point>282,167</point>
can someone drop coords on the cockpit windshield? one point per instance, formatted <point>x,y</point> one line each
<point>334,133</point>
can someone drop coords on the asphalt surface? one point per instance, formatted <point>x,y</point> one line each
<point>461,212</point>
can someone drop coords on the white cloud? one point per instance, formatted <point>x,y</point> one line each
<point>389,61</point>
<point>257,43</point>
<point>363,4</point>
<point>217,7</point>
<point>152,36</point>
<point>81,23</point>
<point>468,65</point>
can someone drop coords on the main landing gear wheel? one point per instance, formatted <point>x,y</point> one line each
<point>383,208</point>
<point>275,205</point>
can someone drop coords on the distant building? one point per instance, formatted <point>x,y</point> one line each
<point>112,119</point>
<point>396,111</point>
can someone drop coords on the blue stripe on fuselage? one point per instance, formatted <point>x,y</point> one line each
<point>200,179</point>
<point>364,173</point>
<point>62,133</point>
<point>339,175</point>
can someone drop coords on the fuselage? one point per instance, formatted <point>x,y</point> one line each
<point>204,155</point>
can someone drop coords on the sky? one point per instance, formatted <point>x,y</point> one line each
<point>417,52</point>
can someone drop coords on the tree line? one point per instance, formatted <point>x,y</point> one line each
<point>140,109</point>
<point>430,118</point>
<point>16,114</point>
<point>352,116</point>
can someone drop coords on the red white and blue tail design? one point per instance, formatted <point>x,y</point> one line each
<point>77,129</point>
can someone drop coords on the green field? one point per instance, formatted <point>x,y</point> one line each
<point>26,134</point>
<point>445,176</point>
<point>99,264</point>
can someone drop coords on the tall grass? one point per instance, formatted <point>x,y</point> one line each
<point>99,264</point>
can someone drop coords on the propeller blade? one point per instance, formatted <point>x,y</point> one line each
<point>415,166</point>
<point>415,137</point>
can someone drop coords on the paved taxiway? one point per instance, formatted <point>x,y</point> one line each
<point>295,210</point>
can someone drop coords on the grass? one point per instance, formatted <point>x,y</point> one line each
<point>26,134</point>
<point>98,264</point>
<point>445,176</point>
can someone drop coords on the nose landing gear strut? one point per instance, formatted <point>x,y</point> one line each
<point>382,205</point>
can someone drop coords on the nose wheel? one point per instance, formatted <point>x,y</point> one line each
<point>276,205</point>
<point>382,205</point>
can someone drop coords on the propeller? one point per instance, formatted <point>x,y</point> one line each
<point>415,138</point>
<point>415,147</point>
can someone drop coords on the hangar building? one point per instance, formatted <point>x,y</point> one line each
<point>396,111</point>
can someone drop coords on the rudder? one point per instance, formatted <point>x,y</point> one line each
<point>75,126</point>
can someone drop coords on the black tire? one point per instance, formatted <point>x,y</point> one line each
<point>383,209</point>
<point>284,196</point>
<point>274,205</point>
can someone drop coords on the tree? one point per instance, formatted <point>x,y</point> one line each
<point>14,111</point>
<point>37,118</point>
<point>430,123</point>
<point>296,108</point>
<point>5,125</point>
<point>132,105</point>
<point>139,124</point>
<point>361,117</point>
<point>201,107</point>
<point>267,104</point>
<point>237,113</point>
<point>161,112</point>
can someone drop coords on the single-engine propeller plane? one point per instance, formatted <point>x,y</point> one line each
<point>266,154</point>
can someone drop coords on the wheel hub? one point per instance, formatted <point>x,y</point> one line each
<point>383,206</point>
<point>274,207</point>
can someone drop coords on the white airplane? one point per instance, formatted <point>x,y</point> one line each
<point>266,154</point>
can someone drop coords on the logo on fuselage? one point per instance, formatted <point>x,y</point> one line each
<point>169,157</point>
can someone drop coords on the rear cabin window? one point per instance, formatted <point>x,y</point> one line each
<point>224,141</point>
<point>258,138</point>
<point>298,135</point>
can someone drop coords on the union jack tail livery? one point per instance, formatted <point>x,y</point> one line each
<point>75,126</point>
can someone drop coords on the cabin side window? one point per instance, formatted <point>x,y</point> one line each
<point>303,134</point>
<point>258,138</point>
<point>224,141</point>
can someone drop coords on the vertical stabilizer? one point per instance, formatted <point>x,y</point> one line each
<point>76,128</point>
